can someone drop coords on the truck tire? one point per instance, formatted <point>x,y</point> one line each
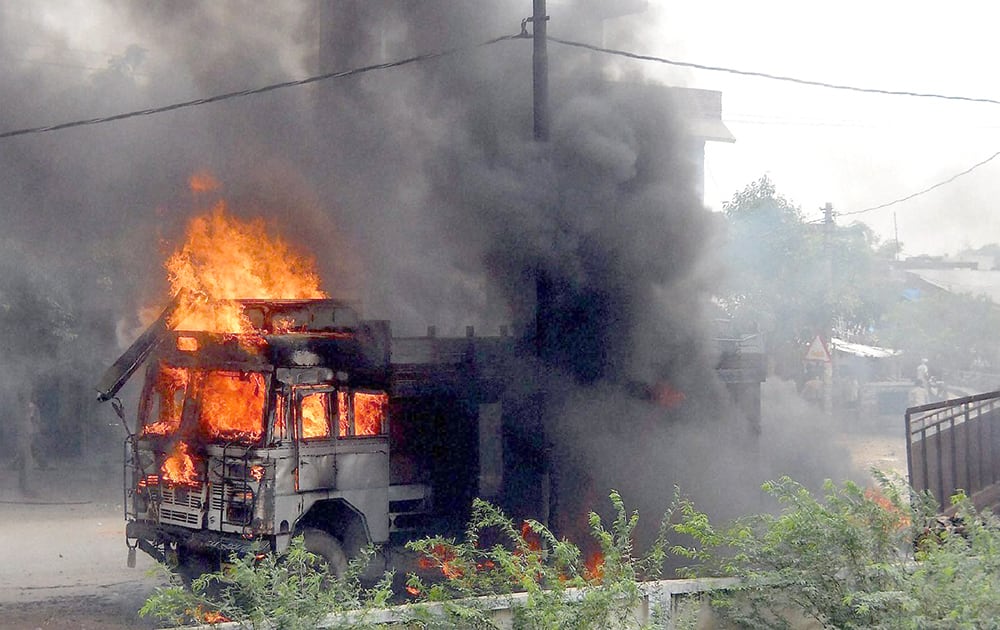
<point>327,547</point>
<point>193,564</point>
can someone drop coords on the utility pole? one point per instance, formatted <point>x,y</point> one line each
<point>895,230</point>
<point>540,70</point>
<point>540,92</point>
<point>543,284</point>
<point>828,227</point>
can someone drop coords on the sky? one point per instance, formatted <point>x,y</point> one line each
<point>818,145</point>
<point>852,150</point>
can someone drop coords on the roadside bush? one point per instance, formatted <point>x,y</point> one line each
<point>856,559</point>
<point>293,590</point>
<point>529,559</point>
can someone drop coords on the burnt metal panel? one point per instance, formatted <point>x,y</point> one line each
<point>317,469</point>
<point>121,370</point>
<point>343,464</point>
<point>311,315</point>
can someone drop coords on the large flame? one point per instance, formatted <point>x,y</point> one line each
<point>179,468</point>
<point>232,405</point>
<point>224,258</point>
<point>315,415</point>
<point>369,413</point>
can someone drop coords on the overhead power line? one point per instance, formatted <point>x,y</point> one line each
<point>925,190</point>
<point>452,51</point>
<point>260,90</point>
<point>773,77</point>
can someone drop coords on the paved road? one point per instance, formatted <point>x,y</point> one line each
<point>64,557</point>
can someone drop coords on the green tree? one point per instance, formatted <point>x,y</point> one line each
<point>949,329</point>
<point>795,279</point>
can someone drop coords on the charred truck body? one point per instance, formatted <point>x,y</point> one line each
<point>321,424</point>
<point>313,425</point>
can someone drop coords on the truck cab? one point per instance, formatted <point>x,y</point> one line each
<point>319,424</point>
<point>256,438</point>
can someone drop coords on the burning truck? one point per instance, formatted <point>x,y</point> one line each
<point>270,410</point>
<point>287,414</point>
<point>312,424</point>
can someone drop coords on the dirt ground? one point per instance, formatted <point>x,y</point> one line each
<point>64,555</point>
<point>883,451</point>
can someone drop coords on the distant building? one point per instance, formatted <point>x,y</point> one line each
<point>924,275</point>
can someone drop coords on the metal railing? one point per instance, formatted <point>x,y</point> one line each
<point>954,445</point>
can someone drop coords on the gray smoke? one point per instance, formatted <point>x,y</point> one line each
<point>419,190</point>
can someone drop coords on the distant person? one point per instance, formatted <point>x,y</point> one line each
<point>923,375</point>
<point>27,433</point>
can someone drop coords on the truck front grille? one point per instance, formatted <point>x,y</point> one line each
<point>182,505</point>
<point>233,501</point>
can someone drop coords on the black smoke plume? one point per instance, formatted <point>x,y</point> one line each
<point>419,189</point>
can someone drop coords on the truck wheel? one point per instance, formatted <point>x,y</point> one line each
<point>327,547</point>
<point>193,564</point>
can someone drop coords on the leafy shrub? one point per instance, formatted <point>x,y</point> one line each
<point>291,591</point>
<point>531,560</point>
<point>856,559</point>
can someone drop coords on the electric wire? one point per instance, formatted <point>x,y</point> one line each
<point>773,77</point>
<point>925,190</point>
<point>427,56</point>
<point>522,35</point>
<point>823,84</point>
<point>913,195</point>
<point>259,90</point>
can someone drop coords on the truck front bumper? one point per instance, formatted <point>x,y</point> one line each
<point>154,538</point>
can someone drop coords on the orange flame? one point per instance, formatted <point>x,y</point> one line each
<point>369,413</point>
<point>232,405</point>
<point>342,413</point>
<point>531,538</point>
<point>315,416</point>
<point>179,468</point>
<point>898,518</point>
<point>593,568</point>
<point>213,617</point>
<point>224,258</point>
<point>187,344</point>
<point>170,385</point>
<point>206,616</point>
<point>443,557</point>
<point>203,181</point>
<point>148,480</point>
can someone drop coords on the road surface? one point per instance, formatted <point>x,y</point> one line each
<point>64,555</point>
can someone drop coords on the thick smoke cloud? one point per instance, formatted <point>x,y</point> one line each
<point>420,191</point>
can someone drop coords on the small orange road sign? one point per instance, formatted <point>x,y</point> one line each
<point>818,351</point>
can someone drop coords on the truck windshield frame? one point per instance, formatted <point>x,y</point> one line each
<point>210,404</point>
